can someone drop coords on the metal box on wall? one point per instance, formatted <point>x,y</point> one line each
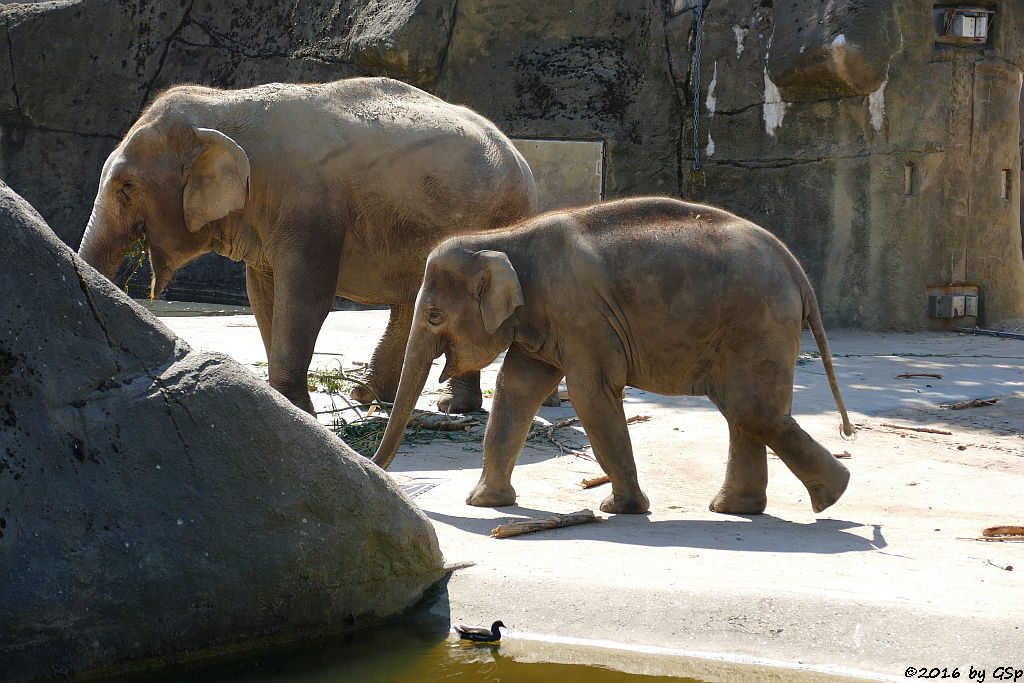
<point>952,306</point>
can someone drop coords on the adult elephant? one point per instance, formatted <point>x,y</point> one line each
<point>329,189</point>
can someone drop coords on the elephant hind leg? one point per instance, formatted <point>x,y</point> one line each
<point>824,477</point>
<point>386,364</point>
<point>462,394</point>
<point>759,415</point>
<point>746,476</point>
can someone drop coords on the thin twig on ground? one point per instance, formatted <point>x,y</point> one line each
<point>1007,568</point>
<point>974,403</point>
<point>926,430</point>
<point>907,375</point>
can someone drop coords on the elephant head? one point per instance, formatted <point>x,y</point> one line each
<point>464,310</point>
<point>166,179</point>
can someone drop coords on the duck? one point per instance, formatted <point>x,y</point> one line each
<point>478,634</point>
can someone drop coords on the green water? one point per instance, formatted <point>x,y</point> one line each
<point>409,653</point>
<point>163,309</point>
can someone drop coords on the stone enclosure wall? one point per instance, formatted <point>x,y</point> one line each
<point>888,161</point>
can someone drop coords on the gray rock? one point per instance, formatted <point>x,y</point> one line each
<point>157,503</point>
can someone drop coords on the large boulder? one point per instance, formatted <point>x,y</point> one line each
<point>156,501</point>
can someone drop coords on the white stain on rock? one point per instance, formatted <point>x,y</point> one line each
<point>711,101</point>
<point>740,34</point>
<point>710,149</point>
<point>876,105</point>
<point>774,109</point>
<point>839,41</point>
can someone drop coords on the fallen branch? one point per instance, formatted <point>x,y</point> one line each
<point>906,375</point>
<point>596,481</point>
<point>444,423</point>
<point>1003,531</point>
<point>529,526</point>
<point>843,455</point>
<point>975,403</point>
<point>926,430</point>
<point>1007,568</point>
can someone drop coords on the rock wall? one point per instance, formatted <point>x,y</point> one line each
<point>158,503</point>
<point>875,152</point>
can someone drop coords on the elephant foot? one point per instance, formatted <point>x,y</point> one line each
<point>361,394</point>
<point>633,504</point>
<point>460,397</point>
<point>301,400</point>
<point>484,496</point>
<point>825,494</point>
<point>733,503</point>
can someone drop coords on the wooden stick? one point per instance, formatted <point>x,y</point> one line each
<point>529,526</point>
<point>926,430</point>
<point>443,423</point>
<point>844,454</point>
<point>1003,531</point>
<point>976,403</point>
<point>596,481</point>
<point>905,375</point>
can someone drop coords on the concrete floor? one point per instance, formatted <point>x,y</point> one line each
<point>890,578</point>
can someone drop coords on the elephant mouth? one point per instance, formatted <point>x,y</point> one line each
<point>450,367</point>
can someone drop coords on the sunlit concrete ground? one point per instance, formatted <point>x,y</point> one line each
<point>889,578</point>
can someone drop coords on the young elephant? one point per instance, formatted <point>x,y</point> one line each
<point>666,296</point>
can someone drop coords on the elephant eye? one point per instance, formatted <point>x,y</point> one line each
<point>435,316</point>
<point>125,192</point>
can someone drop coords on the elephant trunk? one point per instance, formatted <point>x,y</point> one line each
<point>105,243</point>
<point>421,350</point>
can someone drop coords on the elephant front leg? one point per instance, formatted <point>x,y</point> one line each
<point>302,301</point>
<point>259,285</point>
<point>523,383</point>
<point>746,476</point>
<point>599,406</point>
<point>386,364</point>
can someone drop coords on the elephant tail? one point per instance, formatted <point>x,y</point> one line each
<point>813,317</point>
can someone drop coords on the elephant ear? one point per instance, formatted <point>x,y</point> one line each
<point>218,180</point>
<point>497,288</point>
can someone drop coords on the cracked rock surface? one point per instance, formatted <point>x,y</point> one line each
<point>885,157</point>
<point>156,501</point>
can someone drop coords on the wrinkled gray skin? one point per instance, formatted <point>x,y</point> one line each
<point>658,294</point>
<point>332,189</point>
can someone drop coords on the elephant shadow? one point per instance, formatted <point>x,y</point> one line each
<point>744,533</point>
